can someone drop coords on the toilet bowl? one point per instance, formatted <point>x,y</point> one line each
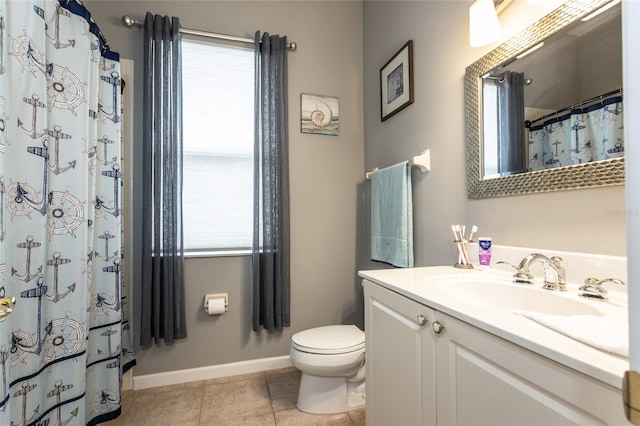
<point>331,359</point>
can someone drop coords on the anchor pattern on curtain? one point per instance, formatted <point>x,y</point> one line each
<point>580,136</point>
<point>65,346</point>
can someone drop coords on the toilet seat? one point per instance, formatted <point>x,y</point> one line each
<point>329,340</point>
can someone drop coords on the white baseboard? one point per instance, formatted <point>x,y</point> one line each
<point>210,372</point>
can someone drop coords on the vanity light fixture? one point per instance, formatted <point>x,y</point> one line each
<point>601,10</point>
<point>484,27</point>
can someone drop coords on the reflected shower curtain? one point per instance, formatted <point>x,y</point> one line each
<point>580,136</point>
<point>64,348</point>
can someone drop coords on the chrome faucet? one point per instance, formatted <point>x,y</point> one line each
<point>554,274</point>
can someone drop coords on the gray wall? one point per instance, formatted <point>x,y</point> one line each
<point>587,220</point>
<point>325,174</point>
<point>330,198</point>
<point>435,120</point>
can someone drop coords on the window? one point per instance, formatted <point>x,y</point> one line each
<point>218,94</point>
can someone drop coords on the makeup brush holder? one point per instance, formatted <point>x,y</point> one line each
<point>463,254</point>
<point>463,266</point>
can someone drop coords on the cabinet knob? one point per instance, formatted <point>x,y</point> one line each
<point>437,327</point>
<point>421,320</point>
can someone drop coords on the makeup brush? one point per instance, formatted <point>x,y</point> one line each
<point>457,239</point>
<point>459,232</point>
<point>455,235</point>
<point>474,229</point>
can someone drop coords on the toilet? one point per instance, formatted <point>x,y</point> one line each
<point>331,359</point>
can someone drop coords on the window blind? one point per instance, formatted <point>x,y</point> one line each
<point>218,103</point>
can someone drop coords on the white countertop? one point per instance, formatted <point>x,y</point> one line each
<point>418,284</point>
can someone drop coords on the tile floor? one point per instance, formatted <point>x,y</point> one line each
<point>258,399</point>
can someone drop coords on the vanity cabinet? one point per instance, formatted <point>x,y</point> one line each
<point>455,373</point>
<point>400,358</point>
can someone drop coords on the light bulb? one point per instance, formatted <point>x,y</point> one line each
<point>484,27</point>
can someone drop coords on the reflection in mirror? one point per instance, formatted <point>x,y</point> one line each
<point>559,103</point>
<point>549,98</point>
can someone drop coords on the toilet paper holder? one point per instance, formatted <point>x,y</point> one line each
<point>212,296</point>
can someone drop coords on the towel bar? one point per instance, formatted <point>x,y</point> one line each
<point>423,161</point>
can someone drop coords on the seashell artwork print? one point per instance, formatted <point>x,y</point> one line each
<point>319,114</point>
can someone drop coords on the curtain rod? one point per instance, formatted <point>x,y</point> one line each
<point>500,78</point>
<point>570,107</point>
<point>129,22</point>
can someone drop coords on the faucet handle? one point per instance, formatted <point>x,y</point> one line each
<point>503,262</point>
<point>520,276</point>
<point>523,277</point>
<point>593,288</point>
<point>556,260</point>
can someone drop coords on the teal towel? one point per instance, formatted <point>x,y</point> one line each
<point>392,216</point>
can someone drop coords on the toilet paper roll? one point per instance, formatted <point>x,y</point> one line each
<point>216,306</point>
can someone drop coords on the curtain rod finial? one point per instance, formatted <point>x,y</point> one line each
<point>128,21</point>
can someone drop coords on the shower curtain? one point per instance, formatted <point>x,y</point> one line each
<point>583,135</point>
<point>64,348</point>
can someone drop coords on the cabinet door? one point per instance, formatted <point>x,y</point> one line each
<point>399,359</point>
<point>485,380</point>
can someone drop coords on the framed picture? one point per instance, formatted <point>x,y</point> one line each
<point>319,114</point>
<point>396,82</point>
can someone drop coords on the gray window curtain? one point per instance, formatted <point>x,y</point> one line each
<point>163,315</point>
<point>270,252</point>
<point>512,145</point>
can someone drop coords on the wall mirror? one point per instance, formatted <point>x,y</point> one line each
<point>544,109</point>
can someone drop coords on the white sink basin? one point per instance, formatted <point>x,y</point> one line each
<point>499,292</point>
<point>598,324</point>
